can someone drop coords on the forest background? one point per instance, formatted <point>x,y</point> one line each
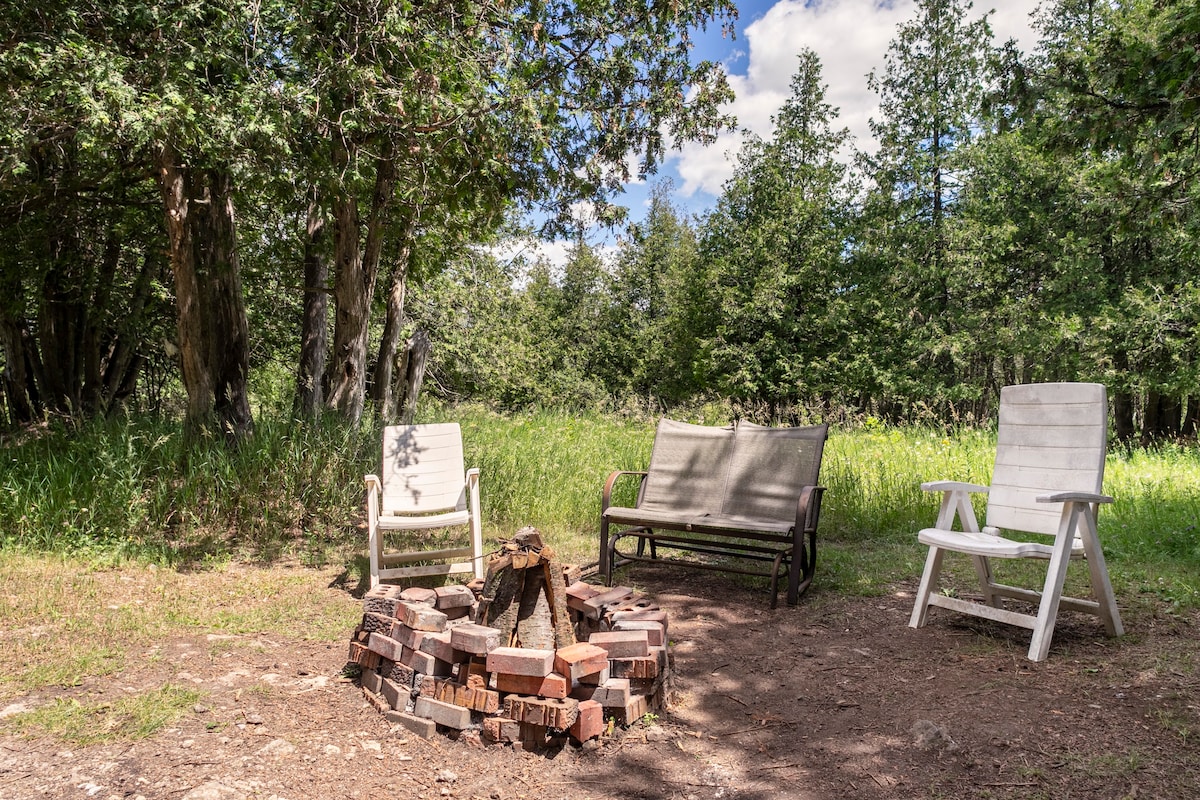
<point>1026,216</point>
<point>288,215</point>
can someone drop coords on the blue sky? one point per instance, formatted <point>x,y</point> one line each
<point>851,38</point>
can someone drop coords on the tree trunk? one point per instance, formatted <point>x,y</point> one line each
<point>1122,409</point>
<point>390,365</point>
<point>93,394</point>
<point>122,364</point>
<point>60,323</point>
<point>1191,421</point>
<point>24,403</point>
<point>1170,409</point>
<point>416,354</point>
<point>310,394</point>
<point>354,286</point>
<point>212,326</point>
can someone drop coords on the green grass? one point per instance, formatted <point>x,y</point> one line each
<point>131,490</point>
<point>129,718</point>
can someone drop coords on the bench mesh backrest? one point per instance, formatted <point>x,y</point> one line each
<point>687,468</point>
<point>769,467</point>
<point>1051,438</point>
<point>422,468</point>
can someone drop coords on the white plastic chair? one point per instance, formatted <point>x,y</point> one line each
<point>1047,480</point>
<point>424,486</point>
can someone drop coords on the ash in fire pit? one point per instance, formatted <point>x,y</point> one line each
<point>526,656</point>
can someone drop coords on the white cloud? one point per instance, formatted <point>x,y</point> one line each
<point>850,37</point>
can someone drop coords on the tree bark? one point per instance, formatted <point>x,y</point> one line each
<point>212,326</point>
<point>354,285</point>
<point>60,322</point>
<point>310,386</point>
<point>1191,420</point>
<point>415,357</point>
<point>1122,406</point>
<point>20,391</point>
<point>389,365</point>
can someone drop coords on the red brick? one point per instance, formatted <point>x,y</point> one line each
<point>622,644</point>
<point>651,614</point>
<point>476,639</point>
<point>656,632</point>
<point>376,623</point>
<point>637,707</point>
<point>451,716</point>
<point>579,593</point>
<point>421,726</point>
<point>438,645</point>
<point>366,659</point>
<point>596,678</point>
<point>370,680</point>
<point>613,693</point>
<point>419,594</point>
<point>553,685</point>
<point>551,713</point>
<point>397,696</point>
<point>421,617</point>
<point>399,673</point>
<point>407,636</point>
<point>590,722</point>
<point>594,607</point>
<point>385,646</point>
<point>502,729</point>
<point>425,664</point>
<point>647,667</point>
<point>380,605</point>
<point>457,596</point>
<point>579,659</point>
<point>521,661</point>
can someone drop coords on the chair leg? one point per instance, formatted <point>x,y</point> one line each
<point>373,552</point>
<point>933,568</point>
<point>605,556</point>
<point>1102,590</point>
<point>1056,575</point>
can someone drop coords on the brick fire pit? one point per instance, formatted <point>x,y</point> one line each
<point>525,657</point>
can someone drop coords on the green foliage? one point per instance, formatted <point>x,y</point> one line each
<point>774,255</point>
<point>130,490</point>
<point>129,718</point>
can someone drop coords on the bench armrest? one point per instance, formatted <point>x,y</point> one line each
<point>606,495</point>
<point>808,508</point>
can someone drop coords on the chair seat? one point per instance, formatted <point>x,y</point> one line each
<point>990,545</point>
<point>653,518</point>
<point>414,522</point>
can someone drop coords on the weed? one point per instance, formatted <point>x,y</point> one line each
<point>130,718</point>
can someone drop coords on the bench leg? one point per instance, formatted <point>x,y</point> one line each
<point>775,581</point>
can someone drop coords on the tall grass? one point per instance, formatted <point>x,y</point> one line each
<point>133,489</point>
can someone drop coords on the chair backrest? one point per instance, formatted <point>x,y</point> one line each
<point>1051,438</point>
<point>687,469</point>
<point>422,468</point>
<point>768,467</point>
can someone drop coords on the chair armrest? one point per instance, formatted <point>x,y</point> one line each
<point>808,508</point>
<point>374,489</point>
<point>606,495</point>
<point>1074,497</point>
<point>953,486</point>
<point>473,475</point>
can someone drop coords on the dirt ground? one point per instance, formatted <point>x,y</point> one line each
<point>835,698</point>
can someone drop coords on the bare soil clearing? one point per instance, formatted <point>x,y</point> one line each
<point>835,698</point>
